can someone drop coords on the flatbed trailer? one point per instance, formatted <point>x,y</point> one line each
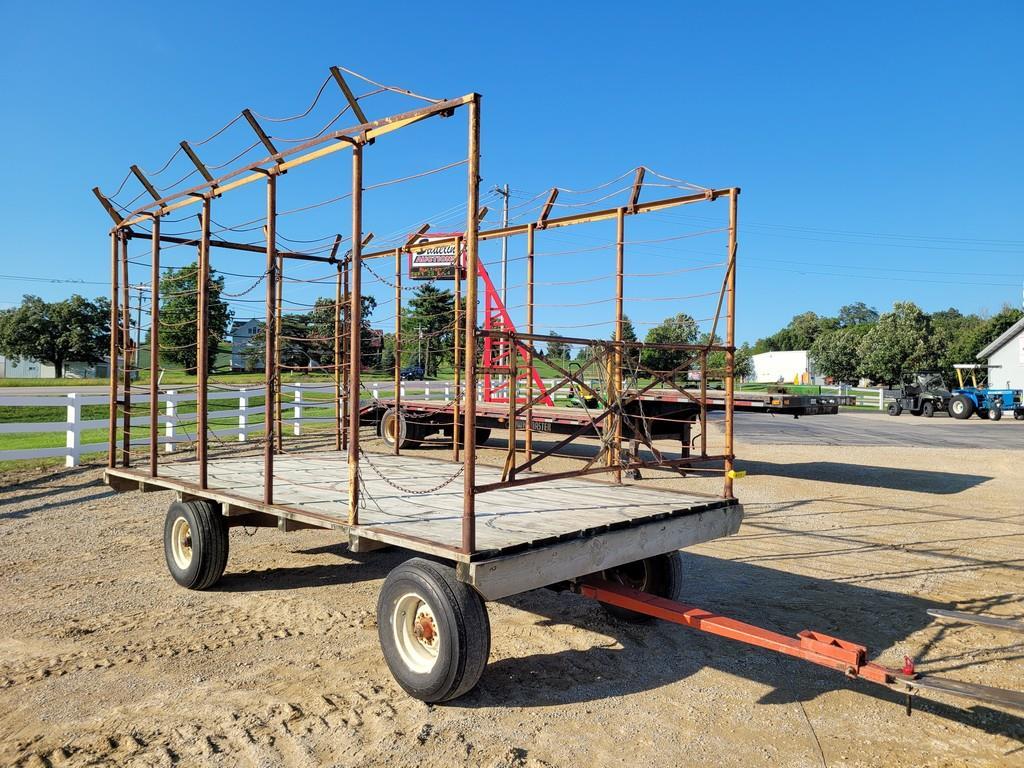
<point>484,532</point>
<point>660,413</point>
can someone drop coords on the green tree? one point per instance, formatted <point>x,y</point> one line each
<point>430,324</point>
<point>178,315</point>
<point>558,349</point>
<point>799,334</point>
<point>953,340</point>
<point>743,365</point>
<point>898,343</point>
<point>75,329</point>
<point>988,331</point>
<point>321,331</point>
<point>836,354</point>
<point>857,313</point>
<point>678,329</point>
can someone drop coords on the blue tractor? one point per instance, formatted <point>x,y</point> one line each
<point>969,398</point>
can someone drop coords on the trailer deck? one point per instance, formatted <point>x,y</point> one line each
<point>547,532</point>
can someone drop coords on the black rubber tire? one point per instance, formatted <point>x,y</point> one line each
<point>928,409</point>
<point>661,575</point>
<point>895,409</point>
<point>461,621</point>
<point>1018,414</point>
<point>483,434</point>
<point>394,425</point>
<point>995,413</point>
<point>961,407</point>
<point>208,543</point>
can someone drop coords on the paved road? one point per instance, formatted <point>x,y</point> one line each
<point>864,428</point>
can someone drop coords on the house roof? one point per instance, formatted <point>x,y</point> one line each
<point>1004,338</point>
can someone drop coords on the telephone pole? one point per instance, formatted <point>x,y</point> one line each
<point>503,191</point>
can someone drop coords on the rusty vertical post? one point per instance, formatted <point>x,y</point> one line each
<point>344,354</point>
<point>615,380</point>
<point>278,423</point>
<point>456,342</point>
<point>355,336</point>
<point>202,342</point>
<point>115,237</point>
<point>528,440</point>
<point>398,344</point>
<point>469,418</point>
<point>513,380</point>
<point>154,347</point>
<point>269,372</point>
<point>730,342</point>
<point>704,403</point>
<point>126,379</point>
<point>337,361</point>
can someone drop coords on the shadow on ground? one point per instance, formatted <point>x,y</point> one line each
<point>897,479</point>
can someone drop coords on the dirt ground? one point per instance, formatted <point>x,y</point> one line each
<point>105,661</point>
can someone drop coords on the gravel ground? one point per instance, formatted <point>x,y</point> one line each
<point>105,661</point>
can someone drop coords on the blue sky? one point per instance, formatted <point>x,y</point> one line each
<point>878,147</point>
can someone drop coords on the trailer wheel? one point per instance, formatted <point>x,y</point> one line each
<point>661,575</point>
<point>195,543</point>
<point>895,409</point>
<point>928,409</point>
<point>483,434</point>
<point>433,630</point>
<point>961,407</point>
<point>394,427</point>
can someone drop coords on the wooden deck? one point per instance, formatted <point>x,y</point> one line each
<point>409,509</point>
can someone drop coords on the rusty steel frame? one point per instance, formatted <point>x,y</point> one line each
<point>348,298</point>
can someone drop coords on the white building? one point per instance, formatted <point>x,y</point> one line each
<point>1005,358</point>
<point>790,367</point>
<point>27,368</point>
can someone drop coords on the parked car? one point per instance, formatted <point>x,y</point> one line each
<point>412,372</point>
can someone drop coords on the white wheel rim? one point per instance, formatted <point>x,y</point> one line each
<point>417,636</point>
<point>181,543</point>
<point>958,407</point>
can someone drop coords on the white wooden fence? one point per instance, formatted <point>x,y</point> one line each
<point>873,397</point>
<point>177,428</point>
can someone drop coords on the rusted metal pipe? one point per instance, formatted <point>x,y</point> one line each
<point>154,347</point>
<point>398,345</point>
<point>469,417</point>
<point>528,440</point>
<point>355,320</point>
<point>269,373</point>
<point>456,343</point>
<point>337,361</point>
<point>615,454</point>
<point>115,237</point>
<point>202,342</point>
<point>278,311</point>
<point>730,341</point>
<point>126,337</point>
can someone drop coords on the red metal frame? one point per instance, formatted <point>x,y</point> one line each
<point>815,647</point>
<point>840,655</point>
<point>498,351</point>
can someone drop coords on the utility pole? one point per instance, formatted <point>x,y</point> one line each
<point>503,191</point>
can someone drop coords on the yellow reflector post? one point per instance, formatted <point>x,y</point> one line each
<point>736,474</point>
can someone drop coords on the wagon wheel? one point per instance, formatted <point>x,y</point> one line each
<point>396,428</point>
<point>433,630</point>
<point>195,543</point>
<point>661,575</point>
